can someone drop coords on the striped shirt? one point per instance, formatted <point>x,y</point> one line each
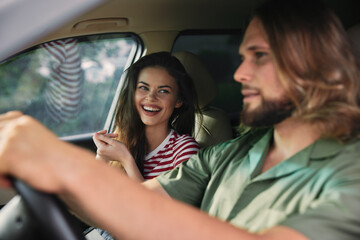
<point>175,149</point>
<point>63,91</point>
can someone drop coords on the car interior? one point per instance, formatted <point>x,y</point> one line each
<point>68,75</point>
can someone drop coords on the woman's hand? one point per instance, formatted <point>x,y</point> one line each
<point>109,149</point>
<point>103,146</point>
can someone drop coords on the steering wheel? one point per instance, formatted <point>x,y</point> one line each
<point>37,215</point>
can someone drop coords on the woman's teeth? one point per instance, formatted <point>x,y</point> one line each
<point>151,109</point>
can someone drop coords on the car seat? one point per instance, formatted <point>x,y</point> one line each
<point>215,126</point>
<point>354,39</point>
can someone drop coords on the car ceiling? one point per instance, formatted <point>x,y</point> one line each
<point>163,15</point>
<point>139,16</point>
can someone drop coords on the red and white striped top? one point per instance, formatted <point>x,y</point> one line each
<point>175,149</point>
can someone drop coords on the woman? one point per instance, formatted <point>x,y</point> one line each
<point>154,121</point>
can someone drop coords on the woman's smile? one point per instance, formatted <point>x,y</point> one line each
<point>151,110</point>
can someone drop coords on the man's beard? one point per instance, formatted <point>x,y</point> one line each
<point>269,113</point>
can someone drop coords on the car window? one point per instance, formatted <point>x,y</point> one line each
<point>219,52</point>
<point>68,84</point>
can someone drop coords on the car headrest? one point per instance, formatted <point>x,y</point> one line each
<point>354,38</point>
<point>204,84</point>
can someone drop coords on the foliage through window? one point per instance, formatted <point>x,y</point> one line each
<point>68,84</point>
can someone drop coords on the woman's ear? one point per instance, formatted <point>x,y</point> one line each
<point>179,103</point>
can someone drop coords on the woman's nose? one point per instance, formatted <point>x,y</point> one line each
<point>151,95</point>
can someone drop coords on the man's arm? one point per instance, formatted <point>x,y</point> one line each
<point>155,186</point>
<point>132,205</point>
<point>99,193</point>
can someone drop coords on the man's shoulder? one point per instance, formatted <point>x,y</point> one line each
<point>238,145</point>
<point>349,153</point>
<point>332,148</point>
<point>249,137</point>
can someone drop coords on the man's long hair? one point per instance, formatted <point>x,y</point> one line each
<point>315,64</point>
<point>130,128</point>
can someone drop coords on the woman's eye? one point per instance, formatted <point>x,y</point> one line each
<point>163,91</point>
<point>143,88</point>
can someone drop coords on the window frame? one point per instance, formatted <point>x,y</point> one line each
<point>135,53</point>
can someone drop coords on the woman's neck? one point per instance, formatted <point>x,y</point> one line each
<point>155,136</point>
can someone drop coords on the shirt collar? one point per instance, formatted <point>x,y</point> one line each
<point>319,150</point>
<point>259,148</point>
<point>324,148</point>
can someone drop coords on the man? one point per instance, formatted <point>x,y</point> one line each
<point>297,179</point>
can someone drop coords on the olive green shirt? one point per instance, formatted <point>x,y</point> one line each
<point>316,191</point>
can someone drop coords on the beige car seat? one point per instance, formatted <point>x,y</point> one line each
<point>215,126</point>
